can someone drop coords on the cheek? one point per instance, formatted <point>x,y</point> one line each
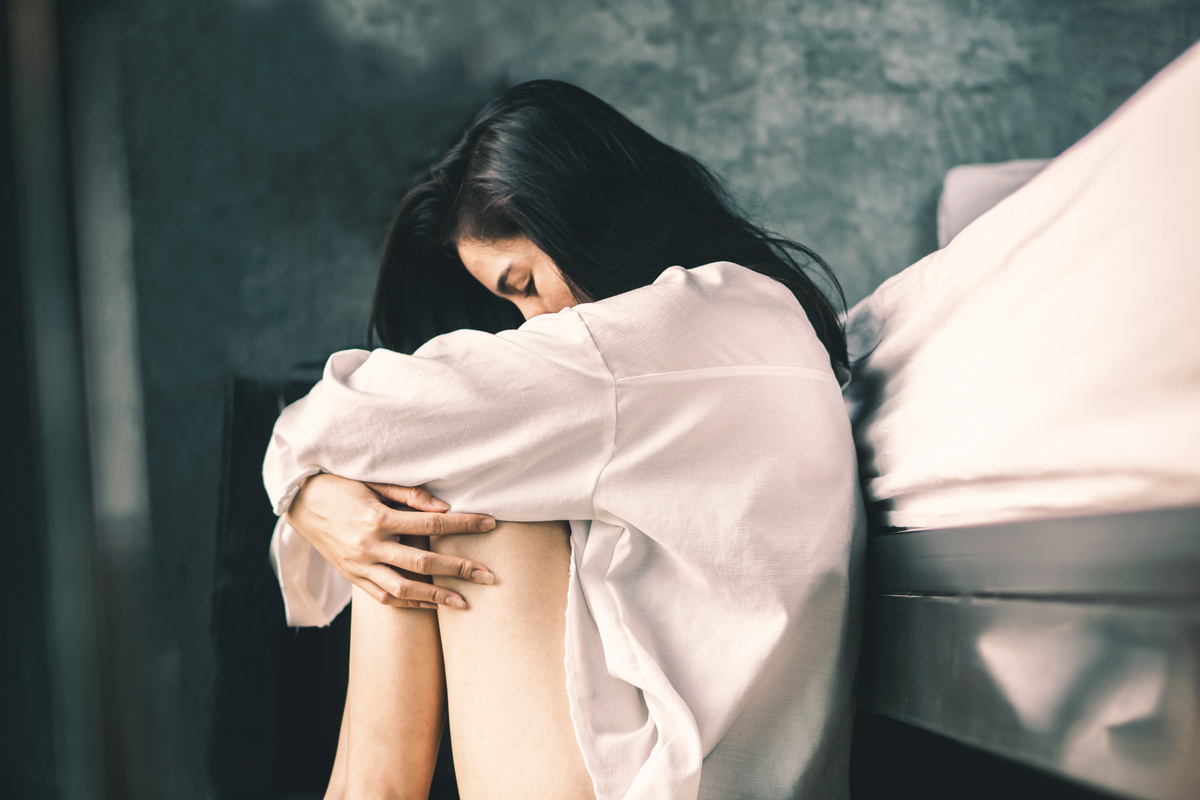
<point>562,294</point>
<point>560,301</point>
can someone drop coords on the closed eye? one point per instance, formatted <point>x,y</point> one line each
<point>530,288</point>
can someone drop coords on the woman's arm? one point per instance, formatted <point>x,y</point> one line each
<point>517,426</point>
<point>478,419</point>
<point>357,528</point>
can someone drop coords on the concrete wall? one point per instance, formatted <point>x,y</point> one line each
<point>269,140</point>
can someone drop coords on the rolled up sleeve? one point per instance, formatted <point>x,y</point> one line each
<point>518,425</point>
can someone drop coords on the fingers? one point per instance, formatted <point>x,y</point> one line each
<point>396,590</point>
<point>436,523</point>
<point>381,596</point>
<point>420,523</point>
<point>444,524</point>
<point>425,562</point>
<point>411,496</point>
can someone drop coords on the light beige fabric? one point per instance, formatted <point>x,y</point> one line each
<point>694,434</point>
<point>1047,361</point>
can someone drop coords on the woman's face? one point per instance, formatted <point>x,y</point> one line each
<point>518,271</point>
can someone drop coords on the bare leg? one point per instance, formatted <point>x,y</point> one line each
<point>504,656</point>
<point>337,779</point>
<point>509,716</point>
<point>395,703</point>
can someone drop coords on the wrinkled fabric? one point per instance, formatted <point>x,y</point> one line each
<point>694,435</point>
<point>1046,362</point>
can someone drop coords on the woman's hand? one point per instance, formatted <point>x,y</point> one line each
<point>357,527</point>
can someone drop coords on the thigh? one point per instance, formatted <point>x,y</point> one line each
<point>510,724</point>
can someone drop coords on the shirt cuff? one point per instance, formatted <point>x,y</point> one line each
<point>284,503</point>
<point>313,591</point>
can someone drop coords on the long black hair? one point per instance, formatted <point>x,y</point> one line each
<point>611,205</point>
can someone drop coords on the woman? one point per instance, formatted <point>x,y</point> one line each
<point>665,441</point>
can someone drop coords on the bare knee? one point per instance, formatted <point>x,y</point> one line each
<point>509,710</point>
<point>508,539</point>
<point>529,559</point>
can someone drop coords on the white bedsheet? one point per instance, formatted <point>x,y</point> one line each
<point>1047,361</point>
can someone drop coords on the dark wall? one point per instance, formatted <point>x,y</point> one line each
<point>269,139</point>
<point>26,746</point>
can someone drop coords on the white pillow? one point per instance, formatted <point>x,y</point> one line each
<point>969,190</point>
<point>1047,361</point>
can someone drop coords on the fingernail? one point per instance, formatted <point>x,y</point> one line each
<point>456,602</point>
<point>442,504</point>
<point>483,576</point>
<point>488,524</point>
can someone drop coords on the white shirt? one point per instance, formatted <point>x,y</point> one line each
<point>694,435</point>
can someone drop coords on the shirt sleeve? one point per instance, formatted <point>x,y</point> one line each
<point>518,425</point>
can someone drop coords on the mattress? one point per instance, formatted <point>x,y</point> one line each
<point>1046,362</point>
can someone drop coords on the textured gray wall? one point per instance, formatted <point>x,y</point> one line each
<point>269,140</point>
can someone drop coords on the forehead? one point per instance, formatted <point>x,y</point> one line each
<point>493,255</point>
<point>487,259</point>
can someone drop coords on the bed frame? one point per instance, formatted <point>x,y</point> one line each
<point>1071,645</point>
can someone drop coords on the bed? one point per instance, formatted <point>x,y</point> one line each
<point>1026,406</point>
